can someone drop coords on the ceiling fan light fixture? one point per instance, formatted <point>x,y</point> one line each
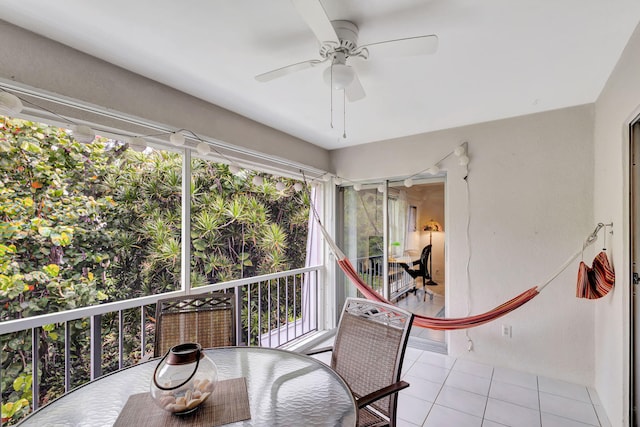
<point>342,76</point>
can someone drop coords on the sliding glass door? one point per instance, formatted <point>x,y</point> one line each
<point>394,237</point>
<point>363,236</point>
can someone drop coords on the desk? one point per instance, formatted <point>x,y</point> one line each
<point>401,280</point>
<point>284,389</point>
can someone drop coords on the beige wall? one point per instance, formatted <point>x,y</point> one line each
<point>429,201</point>
<point>530,206</point>
<point>616,107</point>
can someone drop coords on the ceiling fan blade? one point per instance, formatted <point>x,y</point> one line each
<point>354,92</point>
<point>410,46</point>
<point>316,18</point>
<point>280,72</point>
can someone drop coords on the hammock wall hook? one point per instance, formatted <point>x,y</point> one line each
<point>593,236</point>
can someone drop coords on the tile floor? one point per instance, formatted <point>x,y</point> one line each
<point>451,392</point>
<point>429,307</point>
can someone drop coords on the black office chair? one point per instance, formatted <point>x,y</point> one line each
<point>422,269</point>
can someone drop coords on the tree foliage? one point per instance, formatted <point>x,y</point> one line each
<point>82,224</point>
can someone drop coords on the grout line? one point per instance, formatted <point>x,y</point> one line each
<point>570,419</point>
<point>439,391</point>
<point>594,406</point>
<point>486,403</point>
<point>539,403</point>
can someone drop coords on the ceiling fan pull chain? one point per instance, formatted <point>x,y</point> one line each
<point>331,97</point>
<point>344,113</point>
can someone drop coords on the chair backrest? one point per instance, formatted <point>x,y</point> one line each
<point>369,349</point>
<point>424,257</point>
<point>207,319</point>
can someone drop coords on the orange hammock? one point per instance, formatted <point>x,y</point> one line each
<point>448,323</point>
<point>436,322</point>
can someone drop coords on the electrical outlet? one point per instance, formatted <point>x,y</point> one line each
<point>506,331</point>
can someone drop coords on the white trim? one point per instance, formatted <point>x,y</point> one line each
<point>234,154</point>
<point>185,253</point>
<point>625,277</point>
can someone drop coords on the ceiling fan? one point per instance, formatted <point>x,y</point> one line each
<point>339,42</point>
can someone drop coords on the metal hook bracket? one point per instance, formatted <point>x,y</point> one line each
<point>593,236</point>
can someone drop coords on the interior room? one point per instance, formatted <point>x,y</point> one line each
<point>541,97</point>
<point>427,199</point>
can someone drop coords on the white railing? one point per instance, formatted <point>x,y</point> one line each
<point>371,270</point>
<point>271,310</point>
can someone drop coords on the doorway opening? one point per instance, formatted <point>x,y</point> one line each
<point>395,238</point>
<point>427,234</point>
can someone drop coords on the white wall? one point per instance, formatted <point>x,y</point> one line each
<point>617,105</point>
<point>531,203</point>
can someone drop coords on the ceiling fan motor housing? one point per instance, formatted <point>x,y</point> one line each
<point>347,33</point>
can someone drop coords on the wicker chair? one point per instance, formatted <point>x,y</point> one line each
<point>368,352</point>
<point>207,319</point>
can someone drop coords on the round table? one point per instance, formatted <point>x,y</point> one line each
<point>284,389</point>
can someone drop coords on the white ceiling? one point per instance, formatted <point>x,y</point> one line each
<point>496,58</point>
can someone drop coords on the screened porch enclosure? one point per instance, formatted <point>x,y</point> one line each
<point>95,232</point>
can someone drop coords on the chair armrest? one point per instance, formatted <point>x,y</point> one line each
<point>379,394</point>
<point>318,350</point>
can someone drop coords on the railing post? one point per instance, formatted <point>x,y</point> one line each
<point>143,333</point>
<point>67,356</point>
<point>268,312</point>
<point>316,281</point>
<point>120,339</point>
<point>96,346</point>
<point>286,307</point>
<point>295,300</point>
<point>35,357</point>
<point>279,314</point>
<point>238,298</point>
<point>303,288</point>
<point>259,333</point>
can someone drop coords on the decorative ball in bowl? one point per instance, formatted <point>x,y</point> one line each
<point>184,379</point>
